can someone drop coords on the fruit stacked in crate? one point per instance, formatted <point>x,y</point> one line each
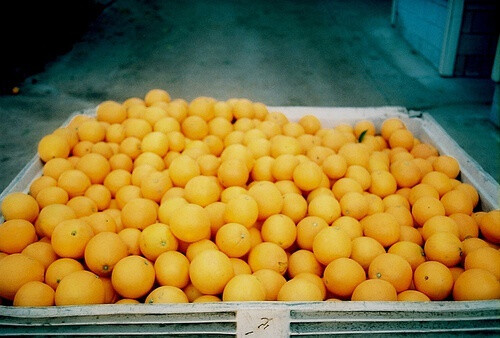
<point>155,200</point>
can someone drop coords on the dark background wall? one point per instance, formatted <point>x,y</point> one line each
<point>33,33</point>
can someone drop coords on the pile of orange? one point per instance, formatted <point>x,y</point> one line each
<point>156,200</point>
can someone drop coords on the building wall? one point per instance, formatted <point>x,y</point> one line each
<point>422,23</point>
<point>478,38</point>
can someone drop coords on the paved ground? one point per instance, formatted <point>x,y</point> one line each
<point>313,53</point>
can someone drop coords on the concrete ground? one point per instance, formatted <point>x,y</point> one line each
<point>305,53</point>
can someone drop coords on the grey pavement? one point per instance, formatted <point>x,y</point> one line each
<point>301,53</point>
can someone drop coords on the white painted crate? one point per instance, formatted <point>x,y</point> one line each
<point>279,319</point>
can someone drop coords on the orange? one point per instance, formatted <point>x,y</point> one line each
<point>467,226</point>
<point>34,293</point>
<point>56,166</point>
<point>154,113</point>
<point>92,131</point>
<point>169,207</point>
<point>70,237</point>
<point>16,270</point>
<point>155,185</point>
<point>166,294</point>
<point>53,146</point>
<point>383,183</point>
<point>318,154</point>
<point>412,296</point>
<point>354,204</point>
<point>350,225</point>
<point>440,181</point>
<point>209,164</point>
<point>307,175</point>
<point>402,214</point>
<point>80,149</point>
<point>424,166</point>
<point>424,150</point>
<point>80,288</point>
<point>360,174</point>
<point>172,268</point>
<point>40,183</point>
<point>299,289</point>
<point>82,206</point>
<point>243,288</point>
<point>272,282</point>
<point>150,158</point>
<point>294,206</point>
<point>190,223</point>
<point>127,193</point>
<point>471,244</point>
<point>476,284</point>
<point>331,243</point>
<point>382,227</point>
<point>130,146</point>
<point>364,127</point>
<point>374,290</point>
<point>433,279</point>
<point>210,271</point>
<point>315,279</point>
<point>156,95</point>
<point>310,123</point>
<point>281,144</point>
<point>18,205</point>
<point>455,201</point>
<point>439,224</point>
<point>392,268</point>
<point>268,198</point>
<point>60,268</point>
<point>69,133</point>
<point>421,190</point>
<point>133,276</point>
<point>74,181</point>
<point>242,209</point>
<point>103,251</point>
<point>139,213</point>
<point>101,222</point>
<point>233,239</point>
<point>182,169</point>
<point>267,255</point>
<point>486,258</point>
<point>117,179</point>
<point>326,207</point>
<point>240,266</point>
<point>410,251</point>
<point>401,138</point>
<point>100,195</point>
<point>52,215</point>
<point>194,127</point>
<point>365,249</point>
<point>390,125</point>
<point>111,112</point>
<point>445,248</point>
<point>334,166</point>
<point>394,200</point>
<point>345,185</point>
<point>471,192</point>
<point>42,252</point>
<point>193,249</point>
<point>130,236</point>
<point>406,172</point>
<point>279,229</point>
<point>447,165</point>
<point>411,234</point>
<point>355,154</point>
<point>490,226</point>
<point>156,239</point>
<point>15,235</point>
<point>307,229</point>
<point>375,203</point>
<point>303,261</point>
<point>115,133</point>
<point>342,276</point>
<point>202,190</point>
<point>426,207</point>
